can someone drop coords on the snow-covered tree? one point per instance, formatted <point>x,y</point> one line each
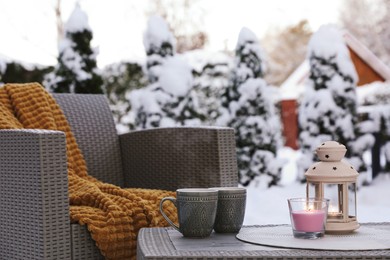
<point>189,33</point>
<point>249,63</point>
<point>163,101</point>
<point>21,72</point>
<point>328,110</point>
<point>252,113</point>
<point>76,71</point>
<point>119,80</point>
<point>211,73</point>
<point>375,102</point>
<point>159,45</point>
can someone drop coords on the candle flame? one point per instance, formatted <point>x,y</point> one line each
<point>333,209</point>
<point>310,208</point>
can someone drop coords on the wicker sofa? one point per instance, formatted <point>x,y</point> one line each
<point>34,219</point>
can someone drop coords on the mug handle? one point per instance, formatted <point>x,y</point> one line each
<point>173,200</point>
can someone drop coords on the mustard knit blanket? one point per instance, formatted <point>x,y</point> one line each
<point>113,215</point>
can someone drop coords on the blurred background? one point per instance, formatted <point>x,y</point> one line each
<point>119,47</point>
<point>32,29</point>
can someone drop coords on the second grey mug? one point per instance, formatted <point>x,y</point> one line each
<point>230,210</point>
<point>196,209</point>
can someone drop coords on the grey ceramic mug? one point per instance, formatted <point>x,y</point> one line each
<point>231,209</point>
<point>196,209</point>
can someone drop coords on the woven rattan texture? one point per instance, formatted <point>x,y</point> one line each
<point>154,243</point>
<point>172,158</point>
<point>33,175</point>
<point>227,158</point>
<point>33,195</point>
<point>93,126</point>
<point>83,247</point>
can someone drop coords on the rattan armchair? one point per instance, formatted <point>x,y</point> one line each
<point>34,219</point>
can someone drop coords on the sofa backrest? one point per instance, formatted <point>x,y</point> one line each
<point>93,125</point>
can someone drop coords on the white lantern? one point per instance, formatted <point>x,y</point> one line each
<point>334,179</point>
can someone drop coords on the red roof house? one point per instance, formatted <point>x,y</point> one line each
<point>368,67</point>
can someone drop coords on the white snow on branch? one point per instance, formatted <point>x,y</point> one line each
<point>157,33</point>
<point>78,21</point>
<point>328,41</point>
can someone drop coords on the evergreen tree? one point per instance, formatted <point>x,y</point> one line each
<point>15,72</point>
<point>249,63</point>
<point>162,102</point>
<point>211,78</point>
<point>249,102</point>
<point>328,109</point>
<point>377,120</point>
<point>119,80</point>
<point>189,33</point>
<point>159,45</point>
<point>76,71</point>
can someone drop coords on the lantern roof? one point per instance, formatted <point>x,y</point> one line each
<point>331,168</point>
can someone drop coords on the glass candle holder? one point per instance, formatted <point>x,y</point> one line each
<point>308,217</point>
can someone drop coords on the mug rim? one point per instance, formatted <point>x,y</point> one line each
<point>197,190</point>
<point>230,190</point>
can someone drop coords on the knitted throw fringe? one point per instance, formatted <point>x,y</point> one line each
<point>113,215</point>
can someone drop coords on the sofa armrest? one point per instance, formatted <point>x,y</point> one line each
<point>34,204</point>
<point>179,157</point>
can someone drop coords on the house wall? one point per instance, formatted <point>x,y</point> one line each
<point>290,122</point>
<point>365,73</point>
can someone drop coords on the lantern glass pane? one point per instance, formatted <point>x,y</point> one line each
<point>334,193</point>
<point>313,190</point>
<point>352,200</point>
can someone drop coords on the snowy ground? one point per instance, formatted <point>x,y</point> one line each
<point>269,206</point>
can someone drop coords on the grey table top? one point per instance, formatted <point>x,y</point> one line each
<point>167,243</point>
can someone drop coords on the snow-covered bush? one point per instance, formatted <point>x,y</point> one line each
<point>251,111</point>
<point>211,72</point>
<point>76,71</point>
<point>328,110</point>
<point>374,100</point>
<point>119,80</point>
<point>164,101</point>
<point>21,72</point>
<point>159,45</point>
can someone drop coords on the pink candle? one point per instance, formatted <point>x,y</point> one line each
<point>308,220</point>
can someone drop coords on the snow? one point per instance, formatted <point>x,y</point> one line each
<point>176,76</point>
<point>370,94</point>
<point>157,33</point>
<point>245,36</point>
<point>73,60</point>
<point>3,66</point>
<point>269,205</point>
<point>374,101</point>
<point>175,81</point>
<point>329,40</point>
<point>198,59</point>
<point>294,86</point>
<point>248,45</point>
<point>78,21</point>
